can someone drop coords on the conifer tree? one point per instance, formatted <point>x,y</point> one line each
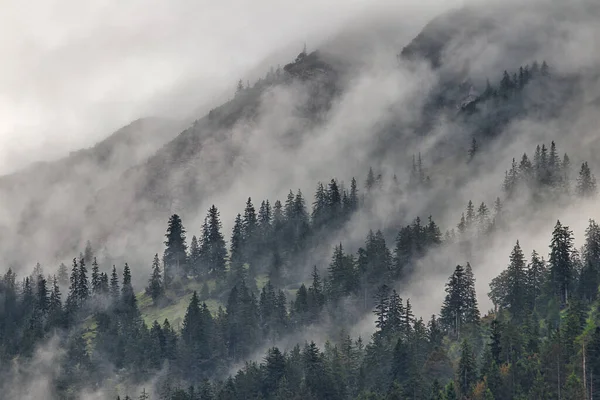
<point>96,278</point>
<point>536,278</point>
<point>114,284</point>
<point>353,196</point>
<point>517,279</point>
<point>155,286</point>
<point>63,274</point>
<point>460,305</point>
<point>473,149</point>
<point>249,232</point>
<point>319,211</point>
<point>128,300</point>
<point>586,182</point>
<point>470,215</point>
<point>236,260</point>
<point>195,258</point>
<point>213,245</point>
<point>590,274</point>
<point>55,311</point>
<point>88,253</point>
<point>483,219</point>
<point>561,262</point>
<point>42,299</point>
<point>175,255</point>
<point>334,201</point>
<point>83,290</point>
<point>371,179</point>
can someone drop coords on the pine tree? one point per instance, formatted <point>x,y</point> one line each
<point>473,149</point>
<point>63,274</point>
<point>96,282</point>
<point>586,182</point>
<point>128,299</point>
<point>483,219</point>
<point>319,211</point>
<point>334,201</point>
<point>353,197</point>
<point>536,278</point>
<point>517,278</point>
<point>43,302</point>
<point>155,286</point>
<point>88,253</point>
<point>195,258</point>
<point>175,255</point>
<point>470,215</point>
<point>590,274</point>
<point>55,311</point>
<point>236,260</point>
<point>213,245</point>
<point>73,303</point>
<point>249,232</point>
<point>114,284</point>
<point>370,180</point>
<point>472,314</point>
<point>460,304</point>
<point>561,263</point>
<point>83,290</point>
<point>382,305</point>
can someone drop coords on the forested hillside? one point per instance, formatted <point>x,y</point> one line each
<point>419,229</point>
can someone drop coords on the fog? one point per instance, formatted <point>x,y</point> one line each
<point>80,71</point>
<point>72,72</point>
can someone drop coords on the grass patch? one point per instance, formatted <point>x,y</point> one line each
<point>174,310</point>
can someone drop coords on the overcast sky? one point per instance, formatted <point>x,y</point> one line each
<point>72,71</point>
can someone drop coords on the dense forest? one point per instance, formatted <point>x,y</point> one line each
<point>542,340</point>
<point>315,293</point>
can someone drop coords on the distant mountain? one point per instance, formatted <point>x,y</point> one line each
<point>46,203</point>
<point>120,193</point>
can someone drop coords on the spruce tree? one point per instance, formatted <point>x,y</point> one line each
<point>236,258</point>
<point>63,274</point>
<point>517,280</point>
<point>128,299</point>
<point>561,262</point>
<point>83,290</point>
<point>319,211</point>
<point>213,245</point>
<point>155,286</point>
<point>195,259</point>
<point>175,255</point>
<point>96,282</point>
<point>536,279</point>
<point>586,182</point>
<point>114,284</point>
<point>42,300</point>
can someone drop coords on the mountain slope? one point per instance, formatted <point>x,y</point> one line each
<point>47,202</point>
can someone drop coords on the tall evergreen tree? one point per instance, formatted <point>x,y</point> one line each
<point>586,182</point>
<point>195,258</point>
<point>561,262</point>
<point>536,278</point>
<point>114,284</point>
<point>213,248</point>
<point>236,258</point>
<point>155,286</point>
<point>517,281</point>
<point>175,255</point>
<point>96,278</point>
